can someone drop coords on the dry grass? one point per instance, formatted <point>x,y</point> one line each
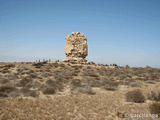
<point>66,91</point>
<point>155,108</point>
<point>154,94</point>
<point>105,105</point>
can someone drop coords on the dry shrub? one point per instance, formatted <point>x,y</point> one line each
<point>90,72</point>
<point>96,81</point>
<point>75,73</point>
<point>39,64</point>
<point>89,67</point>
<point>135,84</point>
<point>51,87</point>
<point>24,81</point>
<point>55,65</point>
<point>154,95</point>
<point>127,66</point>
<point>111,85</point>
<point>33,84</point>
<point>4,70</point>
<point>3,95</point>
<point>62,65</point>
<point>14,94</point>
<point>76,82</point>
<point>70,73</point>
<point>48,90</point>
<point>3,80</point>
<point>93,82</point>
<point>77,67</point>
<point>155,108</point>
<point>8,91</point>
<point>46,74</point>
<point>91,63</point>
<point>9,66</point>
<point>7,88</point>
<point>135,96</point>
<point>28,62</point>
<point>11,76</point>
<point>26,92</point>
<point>102,71</point>
<point>150,81</point>
<point>77,86</point>
<point>62,79</point>
<point>63,76</point>
<point>24,70</point>
<point>33,75</point>
<point>84,90</point>
<point>56,84</point>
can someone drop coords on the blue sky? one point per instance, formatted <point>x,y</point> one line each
<point>118,31</point>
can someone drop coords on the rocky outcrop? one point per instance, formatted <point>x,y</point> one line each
<point>76,48</point>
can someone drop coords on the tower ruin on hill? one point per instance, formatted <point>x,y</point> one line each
<point>76,48</point>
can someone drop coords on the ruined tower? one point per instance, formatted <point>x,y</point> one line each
<point>76,48</point>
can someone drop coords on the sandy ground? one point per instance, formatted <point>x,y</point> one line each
<point>63,105</point>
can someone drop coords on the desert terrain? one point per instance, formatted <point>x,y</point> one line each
<point>69,91</point>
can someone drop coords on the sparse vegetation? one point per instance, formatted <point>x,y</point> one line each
<point>76,83</point>
<point>84,90</point>
<point>48,90</point>
<point>155,108</point>
<point>24,81</point>
<point>135,96</point>
<point>8,66</point>
<point>111,86</point>
<point>39,64</point>
<point>26,92</point>
<point>154,95</point>
<point>84,87</point>
<point>51,87</point>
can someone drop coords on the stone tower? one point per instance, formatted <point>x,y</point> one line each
<point>76,48</point>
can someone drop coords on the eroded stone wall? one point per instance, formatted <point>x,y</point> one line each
<point>76,48</point>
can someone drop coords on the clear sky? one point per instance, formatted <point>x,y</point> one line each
<point>118,31</point>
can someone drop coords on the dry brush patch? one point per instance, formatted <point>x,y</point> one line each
<point>95,93</point>
<point>28,75</point>
<point>155,108</point>
<point>105,105</point>
<point>154,94</point>
<point>135,96</point>
<point>59,107</point>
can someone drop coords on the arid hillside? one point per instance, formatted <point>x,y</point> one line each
<point>68,91</point>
